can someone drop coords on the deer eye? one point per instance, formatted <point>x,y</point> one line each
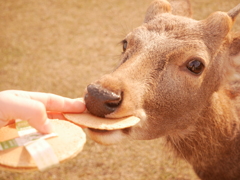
<point>195,66</point>
<point>124,45</point>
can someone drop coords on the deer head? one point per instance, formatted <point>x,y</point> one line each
<point>170,68</point>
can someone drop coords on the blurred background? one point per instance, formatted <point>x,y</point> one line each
<point>60,47</point>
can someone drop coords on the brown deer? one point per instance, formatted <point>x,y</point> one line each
<point>181,77</point>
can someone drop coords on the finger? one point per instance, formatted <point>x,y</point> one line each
<point>13,107</point>
<point>54,102</point>
<point>36,116</point>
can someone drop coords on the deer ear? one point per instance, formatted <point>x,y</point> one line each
<point>157,7</point>
<point>218,25</point>
<point>235,45</point>
<point>215,28</point>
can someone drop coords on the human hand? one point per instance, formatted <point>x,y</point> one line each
<point>35,107</point>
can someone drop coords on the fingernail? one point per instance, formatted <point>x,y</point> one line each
<point>82,106</point>
<point>81,99</point>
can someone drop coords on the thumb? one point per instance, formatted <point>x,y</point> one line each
<point>36,116</point>
<point>26,109</point>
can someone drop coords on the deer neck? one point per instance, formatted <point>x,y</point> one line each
<point>214,136</point>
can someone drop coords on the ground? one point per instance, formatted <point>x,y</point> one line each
<point>61,46</point>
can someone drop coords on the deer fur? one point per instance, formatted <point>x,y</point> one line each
<point>197,113</point>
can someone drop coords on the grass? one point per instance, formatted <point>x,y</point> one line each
<point>60,47</point>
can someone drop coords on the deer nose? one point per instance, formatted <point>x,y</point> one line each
<point>100,101</point>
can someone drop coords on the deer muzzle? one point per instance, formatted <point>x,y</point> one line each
<point>101,101</point>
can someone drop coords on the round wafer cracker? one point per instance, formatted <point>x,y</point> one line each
<point>66,145</point>
<point>95,122</point>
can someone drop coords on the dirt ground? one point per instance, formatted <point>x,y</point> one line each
<point>60,47</point>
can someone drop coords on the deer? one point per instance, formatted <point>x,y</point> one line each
<point>180,77</point>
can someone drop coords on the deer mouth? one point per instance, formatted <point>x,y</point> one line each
<point>107,137</point>
<point>104,130</point>
<point>108,132</point>
<point>99,130</point>
<point>112,135</point>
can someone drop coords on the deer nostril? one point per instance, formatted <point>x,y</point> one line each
<point>113,104</point>
<point>100,101</point>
